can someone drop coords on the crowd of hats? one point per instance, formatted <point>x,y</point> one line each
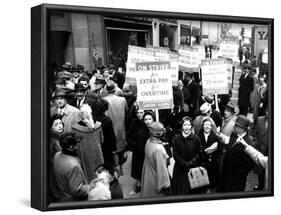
<point>67,71</point>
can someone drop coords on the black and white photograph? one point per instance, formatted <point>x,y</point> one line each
<point>144,107</point>
<point>140,107</point>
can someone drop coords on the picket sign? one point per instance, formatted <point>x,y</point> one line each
<point>154,84</point>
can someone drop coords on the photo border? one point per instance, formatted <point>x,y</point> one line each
<point>40,106</point>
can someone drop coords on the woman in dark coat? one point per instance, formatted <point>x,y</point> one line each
<point>209,142</point>
<point>186,151</point>
<point>138,152</point>
<point>134,127</point>
<point>109,143</point>
<point>56,130</point>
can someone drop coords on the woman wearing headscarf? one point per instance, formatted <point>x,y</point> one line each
<point>89,149</point>
<point>155,180</point>
<point>209,143</point>
<point>186,150</point>
<point>138,153</point>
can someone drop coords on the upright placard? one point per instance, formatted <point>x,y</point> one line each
<point>215,76</point>
<point>154,84</point>
<point>137,54</point>
<point>229,49</point>
<point>174,58</point>
<point>150,54</point>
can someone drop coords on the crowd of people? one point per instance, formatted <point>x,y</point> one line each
<point>95,119</point>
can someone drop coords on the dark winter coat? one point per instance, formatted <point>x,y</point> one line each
<point>236,166</point>
<point>109,140</point>
<point>210,161</point>
<point>138,153</point>
<point>245,89</point>
<point>194,91</point>
<point>185,152</point>
<point>132,133</point>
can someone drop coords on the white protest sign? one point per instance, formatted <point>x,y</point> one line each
<point>229,49</point>
<point>136,54</point>
<point>215,76</point>
<point>229,69</point>
<point>173,58</point>
<point>150,54</point>
<point>154,85</point>
<point>190,57</point>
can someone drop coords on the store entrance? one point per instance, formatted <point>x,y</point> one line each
<point>118,41</point>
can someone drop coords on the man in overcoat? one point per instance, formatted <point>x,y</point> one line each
<point>236,163</point>
<point>246,87</point>
<point>70,115</point>
<point>68,171</point>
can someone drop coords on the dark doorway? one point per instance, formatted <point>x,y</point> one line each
<point>118,42</point>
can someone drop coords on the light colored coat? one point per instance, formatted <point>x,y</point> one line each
<point>155,175</point>
<point>257,96</point>
<point>117,109</point>
<point>71,116</point>
<point>89,149</point>
<point>259,159</point>
<point>70,177</point>
<point>228,126</point>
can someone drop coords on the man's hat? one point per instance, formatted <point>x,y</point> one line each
<point>75,69</point>
<point>64,74</point>
<point>110,88</point>
<point>60,93</point>
<point>67,65</point>
<point>209,99</point>
<point>242,121</point>
<point>80,87</point>
<point>230,107</point>
<point>68,139</point>
<point>246,65</point>
<point>99,79</point>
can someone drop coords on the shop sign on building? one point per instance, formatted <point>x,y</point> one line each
<point>215,73</point>
<point>154,84</point>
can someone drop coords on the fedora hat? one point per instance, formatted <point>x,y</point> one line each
<point>242,121</point>
<point>209,99</point>
<point>99,79</point>
<point>229,106</point>
<point>110,88</point>
<point>60,93</point>
<point>80,87</point>
<point>64,74</point>
<point>67,65</point>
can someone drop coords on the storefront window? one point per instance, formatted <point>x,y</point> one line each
<point>185,35</point>
<point>168,36</point>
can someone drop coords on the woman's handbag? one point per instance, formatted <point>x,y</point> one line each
<point>198,177</point>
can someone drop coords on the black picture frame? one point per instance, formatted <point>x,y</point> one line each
<point>40,105</point>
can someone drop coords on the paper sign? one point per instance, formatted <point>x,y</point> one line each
<point>154,84</point>
<point>229,49</point>
<point>215,74</point>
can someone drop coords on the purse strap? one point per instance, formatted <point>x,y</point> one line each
<point>200,168</point>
